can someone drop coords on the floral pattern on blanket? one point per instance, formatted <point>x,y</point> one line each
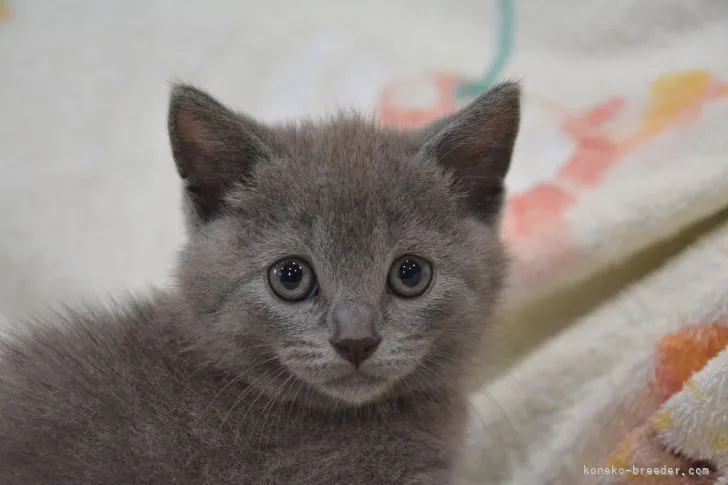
<point>681,362</point>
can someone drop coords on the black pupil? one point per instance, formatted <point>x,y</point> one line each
<point>290,274</point>
<point>410,273</point>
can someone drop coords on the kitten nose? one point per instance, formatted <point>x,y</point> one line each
<point>356,351</point>
<point>355,336</point>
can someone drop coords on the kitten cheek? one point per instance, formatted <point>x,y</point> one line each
<point>399,355</point>
<point>302,356</point>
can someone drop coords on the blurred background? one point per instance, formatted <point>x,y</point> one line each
<point>618,193</point>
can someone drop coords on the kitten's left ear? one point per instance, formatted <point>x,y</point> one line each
<point>476,143</point>
<point>213,147</point>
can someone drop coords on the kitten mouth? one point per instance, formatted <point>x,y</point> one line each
<point>356,378</point>
<point>355,387</point>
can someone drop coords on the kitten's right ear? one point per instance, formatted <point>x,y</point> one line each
<point>475,145</point>
<point>213,147</point>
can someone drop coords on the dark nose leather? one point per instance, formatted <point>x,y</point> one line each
<point>356,351</point>
<point>355,335</point>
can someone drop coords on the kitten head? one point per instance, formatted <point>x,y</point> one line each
<point>340,255</point>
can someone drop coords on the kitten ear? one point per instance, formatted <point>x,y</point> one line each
<point>213,147</point>
<point>476,143</point>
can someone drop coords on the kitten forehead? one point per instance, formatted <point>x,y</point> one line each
<point>355,160</point>
<point>351,172</point>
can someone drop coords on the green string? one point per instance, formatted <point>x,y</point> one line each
<point>504,45</point>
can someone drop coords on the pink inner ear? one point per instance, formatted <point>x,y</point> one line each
<point>468,154</point>
<point>480,138</point>
<point>199,136</point>
<point>191,130</point>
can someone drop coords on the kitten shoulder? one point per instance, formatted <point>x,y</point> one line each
<point>70,383</point>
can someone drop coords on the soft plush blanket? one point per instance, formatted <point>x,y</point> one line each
<point>638,382</point>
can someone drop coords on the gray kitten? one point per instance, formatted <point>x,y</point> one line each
<point>335,287</point>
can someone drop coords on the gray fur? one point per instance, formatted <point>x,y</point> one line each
<point>218,381</point>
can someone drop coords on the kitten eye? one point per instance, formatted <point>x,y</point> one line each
<point>292,279</point>
<point>410,276</point>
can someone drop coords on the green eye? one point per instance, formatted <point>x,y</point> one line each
<point>410,276</point>
<point>292,279</point>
